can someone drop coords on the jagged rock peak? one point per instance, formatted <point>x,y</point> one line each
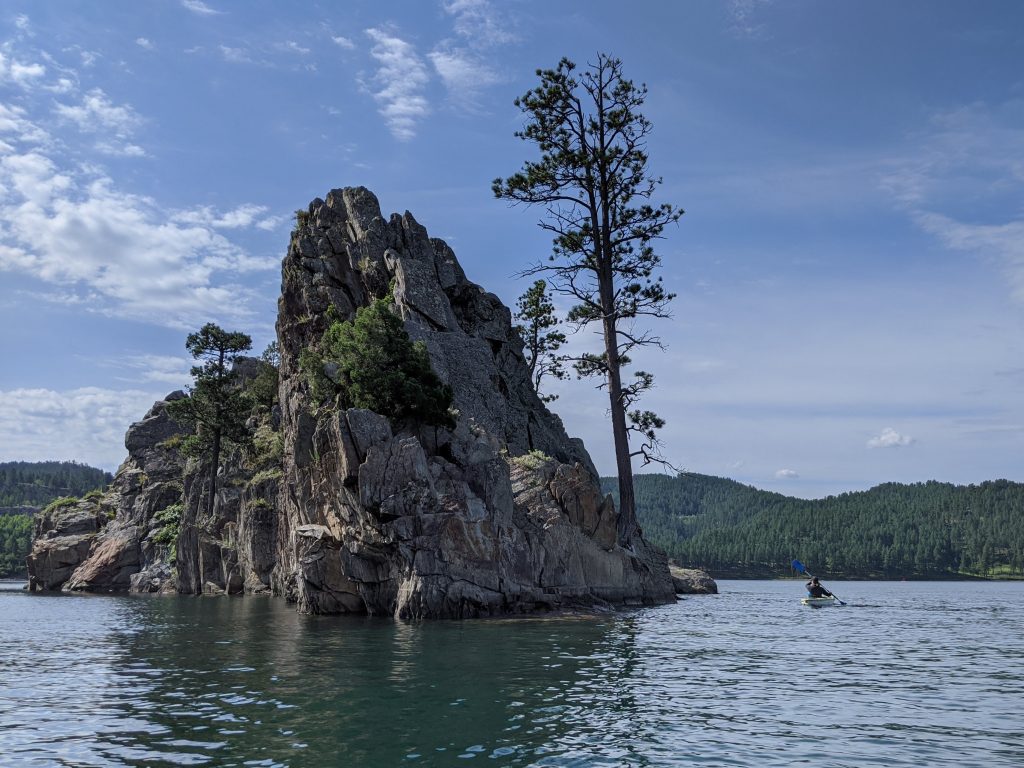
<point>501,514</point>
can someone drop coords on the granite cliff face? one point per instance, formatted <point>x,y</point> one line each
<point>106,542</point>
<point>351,513</point>
<point>502,514</point>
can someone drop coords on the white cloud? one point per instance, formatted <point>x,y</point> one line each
<point>786,474</point>
<point>15,125</point>
<point>144,42</point>
<point>464,74</point>
<point>200,8</point>
<point>290,46</point>
<point>128,257</point>
<point>401,78</point>
<point>343,42</point>
<point>246,215</point>
<point>889,438</point>
<point>480,23</point>
<point>235,55</point>
<point>19,73</point>
<point>22,22</point>
<point>68,225</point>
<point>86,424</point>
<point>96,113</point>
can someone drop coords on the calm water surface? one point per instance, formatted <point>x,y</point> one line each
<point>910,674</point>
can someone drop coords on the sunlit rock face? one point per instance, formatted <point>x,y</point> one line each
<point>502,514</point>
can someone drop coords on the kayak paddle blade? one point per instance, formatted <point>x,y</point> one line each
<point>799,567</point>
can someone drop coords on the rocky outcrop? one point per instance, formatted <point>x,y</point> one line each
<point>339,509</point>
<point>501,514</point>
<point>63,537</point>
<point>692,581</point>
<point>149,480</point>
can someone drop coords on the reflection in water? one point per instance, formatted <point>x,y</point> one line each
<point>747,678</point>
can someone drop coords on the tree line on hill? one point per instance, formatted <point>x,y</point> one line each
<point>920,530</point>
<point>34,485</point>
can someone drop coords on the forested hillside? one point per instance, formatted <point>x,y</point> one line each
<point>923,530</point>
<point>29,486</point>
<point>36,484</point>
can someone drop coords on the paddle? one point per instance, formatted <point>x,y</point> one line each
<point>801,568</point>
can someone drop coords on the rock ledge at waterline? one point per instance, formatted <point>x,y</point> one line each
<point>503,514</point>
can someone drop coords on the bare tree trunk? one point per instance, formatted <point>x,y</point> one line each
<point>626,523</point>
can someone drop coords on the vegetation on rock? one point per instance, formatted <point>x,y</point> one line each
<point>370,362</point>
<point>593,181</point>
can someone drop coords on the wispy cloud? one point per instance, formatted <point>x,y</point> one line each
<point>145,42</point>
<point>290,46</point>
<point>964,158</point>
<point>343,42</point>
<point>480,22</point>
<point>464,74</point>
<point>890,438</point>
<point>235,55</point>
<point>744,15</point>
<point>786,474</point>
<point>200,8</point>
<point>96,114</point>
<point>247,215</point>
<point>19,73</point>
<point>400,80</point>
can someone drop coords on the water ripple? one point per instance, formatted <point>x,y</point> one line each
<point>907,675</point>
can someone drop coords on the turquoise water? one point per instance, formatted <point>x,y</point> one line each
<point>909,674</point>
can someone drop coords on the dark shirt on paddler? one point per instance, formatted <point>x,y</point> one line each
<point>816,590</point>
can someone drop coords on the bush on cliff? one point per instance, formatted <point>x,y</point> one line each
<point>370,362</point>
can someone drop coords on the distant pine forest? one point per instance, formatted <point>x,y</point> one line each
<point>922,530</point>
<point>29,486</point>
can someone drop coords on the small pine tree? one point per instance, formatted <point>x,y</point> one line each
<point>373,364</point>
<point>215,405</point>
<point>538,328</point>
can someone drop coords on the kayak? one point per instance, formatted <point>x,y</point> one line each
<point>819,602</point>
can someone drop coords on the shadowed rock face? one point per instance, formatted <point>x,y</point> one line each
<point>433,522</point>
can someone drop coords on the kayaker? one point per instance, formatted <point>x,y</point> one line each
<point>814,589</point>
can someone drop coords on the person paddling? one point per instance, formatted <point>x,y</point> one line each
<point>814,589</point>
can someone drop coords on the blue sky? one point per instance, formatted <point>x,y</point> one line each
<point>849,271</point>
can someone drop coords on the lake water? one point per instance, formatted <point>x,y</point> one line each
<point>910,674</point>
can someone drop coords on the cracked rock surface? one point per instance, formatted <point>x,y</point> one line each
<point>502,514</point>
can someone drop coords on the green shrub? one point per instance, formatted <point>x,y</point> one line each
<point>267,446</point>
<point>172,443</point>
<point>170,526</point>
<point>378,368</point>
<point>532,460</point>
<point>273,473</point>
<point>63,501</point>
